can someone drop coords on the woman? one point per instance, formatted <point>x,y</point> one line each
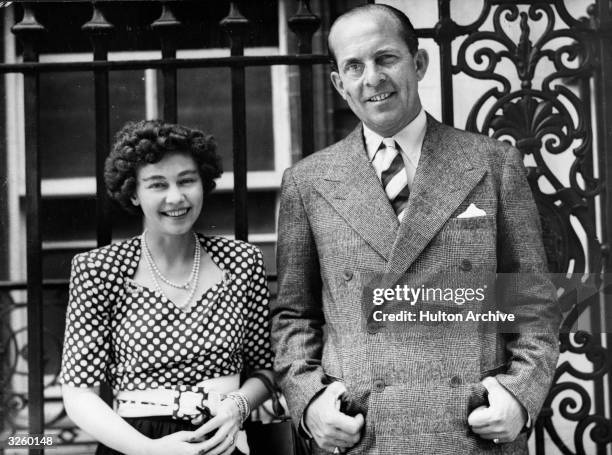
<point>169,318</point>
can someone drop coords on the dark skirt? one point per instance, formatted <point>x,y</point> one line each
<point>154,428</point>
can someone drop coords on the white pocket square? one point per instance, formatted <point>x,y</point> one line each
<point>472,212</point>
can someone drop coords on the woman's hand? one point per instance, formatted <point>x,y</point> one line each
<point>227,424</point>
<point>179,443</point>
<point>92,414</point>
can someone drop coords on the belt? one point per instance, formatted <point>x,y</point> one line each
<point>195,404</point>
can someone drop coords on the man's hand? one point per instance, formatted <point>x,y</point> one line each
<point>505,417</point>
<point>329,427</point>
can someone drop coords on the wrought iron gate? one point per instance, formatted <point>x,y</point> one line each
<point>546,117</point>
<point>563,112</point>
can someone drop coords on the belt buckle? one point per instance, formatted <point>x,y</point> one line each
<point>188,405</point>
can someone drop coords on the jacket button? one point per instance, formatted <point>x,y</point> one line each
<point>466,265</point>
<point>455,381</point>
<point>347,275</point>
<point>379,385</point>
<point>373,327</point>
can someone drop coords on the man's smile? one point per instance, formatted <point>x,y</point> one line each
<point>380,97</point>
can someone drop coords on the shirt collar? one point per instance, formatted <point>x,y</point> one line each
<point>410,138</point>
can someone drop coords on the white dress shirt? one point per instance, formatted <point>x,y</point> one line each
<point>409,139</point>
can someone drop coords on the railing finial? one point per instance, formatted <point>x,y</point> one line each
<point>167,20</point>
<point>235,23</point>
<point>304,24</point>
<point>29,30</point>
<point>98,22</point>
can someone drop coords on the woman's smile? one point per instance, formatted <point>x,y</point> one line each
<point>176,213</point>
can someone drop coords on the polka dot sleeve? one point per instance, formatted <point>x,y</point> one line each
<point>86,338</point>
<point>257,351</point>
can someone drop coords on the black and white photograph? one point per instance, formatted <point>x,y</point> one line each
<point>305,227</point>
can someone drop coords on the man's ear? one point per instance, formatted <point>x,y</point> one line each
<point>338,85</point>
<point>421,62</point>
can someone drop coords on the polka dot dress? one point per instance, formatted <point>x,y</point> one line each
<point>134,338</point>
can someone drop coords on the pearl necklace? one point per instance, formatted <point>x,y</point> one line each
<point>194,268</point>
<point>192,282</point>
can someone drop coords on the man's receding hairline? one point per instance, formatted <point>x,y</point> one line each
<point>370,9</point>
<point>367,10</point>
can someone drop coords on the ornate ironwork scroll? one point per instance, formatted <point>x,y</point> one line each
<point>540,102</point>
<point>15,371</point>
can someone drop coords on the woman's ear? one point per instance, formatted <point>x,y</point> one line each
<point>135,200</point>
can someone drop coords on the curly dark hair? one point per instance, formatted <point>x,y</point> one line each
<point>148,141</point>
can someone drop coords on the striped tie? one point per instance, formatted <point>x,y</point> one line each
<point>393,176</point>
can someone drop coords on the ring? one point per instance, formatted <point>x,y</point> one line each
<point>233,439</point>
<point>496,441</point>
<point>336,450</point>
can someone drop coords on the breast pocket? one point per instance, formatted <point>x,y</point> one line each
<point>470,237</point>
<point>469,226</point>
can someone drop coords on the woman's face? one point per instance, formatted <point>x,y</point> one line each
<point>170,194</point>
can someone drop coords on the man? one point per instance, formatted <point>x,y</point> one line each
<point>406,195</point>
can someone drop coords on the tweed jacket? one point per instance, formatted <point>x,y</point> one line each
<point>417,387</point>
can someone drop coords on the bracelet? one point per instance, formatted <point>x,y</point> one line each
<point>242,403</point>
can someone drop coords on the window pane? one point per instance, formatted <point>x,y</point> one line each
<point>67,118</point>
<point>218,216</point>
<point>204,99</point>
<point>127,97</point>
<point>66,124</point>
<point>260,139</point>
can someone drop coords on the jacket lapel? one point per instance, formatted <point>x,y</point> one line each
<point>354,191</point>
<point>444,178</point>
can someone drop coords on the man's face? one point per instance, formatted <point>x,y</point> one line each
<point>377,75</point>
